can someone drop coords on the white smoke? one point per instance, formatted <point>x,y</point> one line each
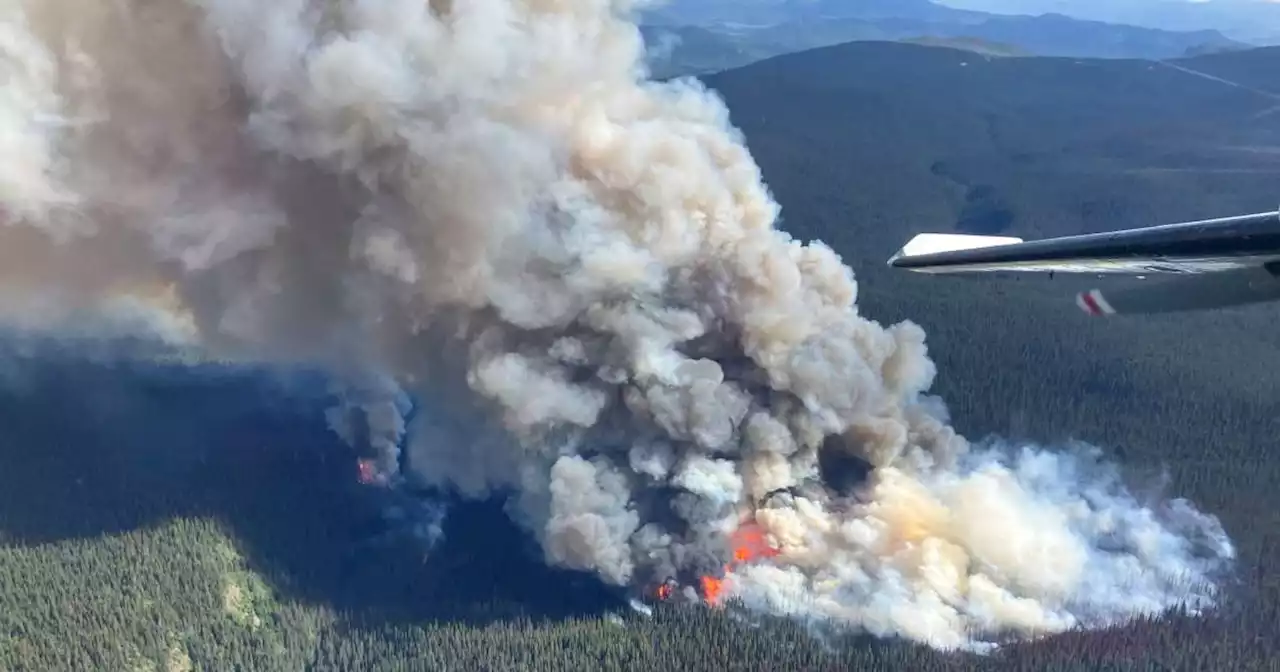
<point>576,273</point>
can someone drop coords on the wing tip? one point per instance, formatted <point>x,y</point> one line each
<point>925,244</point>
<point>1094,303</point>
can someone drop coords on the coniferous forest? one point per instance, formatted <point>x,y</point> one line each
<point>158,517</point>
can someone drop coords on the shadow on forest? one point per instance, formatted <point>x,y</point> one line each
<point>93,448</point>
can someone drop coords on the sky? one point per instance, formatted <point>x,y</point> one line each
<point>1253,20</point>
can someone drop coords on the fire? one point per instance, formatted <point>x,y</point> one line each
<point>711,587</point>
<point>749,544</point>
<point>368,472</point>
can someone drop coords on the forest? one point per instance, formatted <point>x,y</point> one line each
<point>167,517</point>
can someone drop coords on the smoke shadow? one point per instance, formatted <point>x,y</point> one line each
<point>985,212</point>
<point>96,446</point>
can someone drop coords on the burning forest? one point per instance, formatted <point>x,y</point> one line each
<point>543,274</point>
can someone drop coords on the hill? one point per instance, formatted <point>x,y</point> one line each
<point>672,51</point>
<point>1252,21</point>
<point>174,519</point>
<point>730,36</point>
<point>1066,145</point>
<point>764,12</point>
<point>975,45</point>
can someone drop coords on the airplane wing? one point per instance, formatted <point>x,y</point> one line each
<point>1234,261</point>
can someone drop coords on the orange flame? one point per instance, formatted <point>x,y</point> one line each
<point>749,544</point>
<point>664,591</point>
<point>711,587</point>
<point>368,472</point>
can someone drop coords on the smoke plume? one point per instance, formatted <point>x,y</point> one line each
<point>485,206</point>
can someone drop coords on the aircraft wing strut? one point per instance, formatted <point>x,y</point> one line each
<point>1229,261</point>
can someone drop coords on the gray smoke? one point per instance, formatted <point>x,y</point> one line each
<point>574,272</point>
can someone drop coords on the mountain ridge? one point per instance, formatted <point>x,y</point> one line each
<point>1252,21</point>
<point>708,37</point>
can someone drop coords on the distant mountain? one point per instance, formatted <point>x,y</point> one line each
<point>705,35</point>
<point>682,50</point>
<point>1060,35</point>
<point>1256,21</point>
<point>975,45</point>
<point>770,12</point>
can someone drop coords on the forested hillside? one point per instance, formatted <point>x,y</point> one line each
<point>166,519</point>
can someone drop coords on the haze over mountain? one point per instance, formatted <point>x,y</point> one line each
<point>706,35</point>
<point>1255,21</point>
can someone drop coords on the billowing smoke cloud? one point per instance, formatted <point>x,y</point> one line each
<point>575,275</point>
